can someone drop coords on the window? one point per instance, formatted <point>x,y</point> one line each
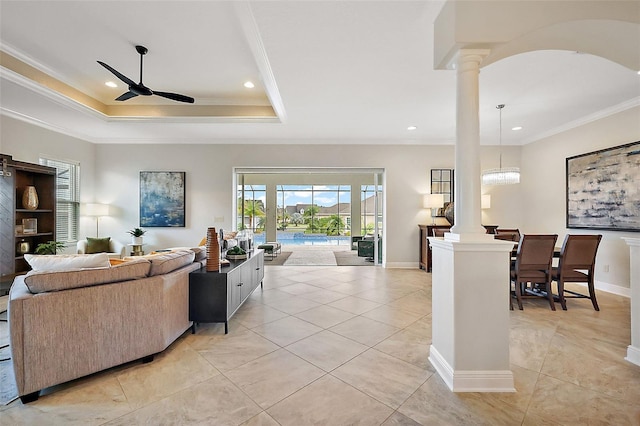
<point>67,198</point>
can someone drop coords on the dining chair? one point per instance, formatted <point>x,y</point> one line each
<point>439,232</point>
<point>577,265</point>
<point>533,265</point>
<point>507,234</point>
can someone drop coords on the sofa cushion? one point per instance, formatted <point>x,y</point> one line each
<point>167,262</point>
<point>97,245</point>
<point>65,262</point>
<point>45,281</point>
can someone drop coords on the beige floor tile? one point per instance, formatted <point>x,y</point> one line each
<point>293,305</point>
<point>299,288</point>
<point>408,346</point>
<point>434,404</point>
<point>364,330</point>
<point>251,316</point>
<point>213,402</point>
<point>91,400</point>
<point>355,305</point>
<point>171,371</point>
<point>326,349</point>
<point>324,296</point>
<point>262,419</point>
<point>385,294</point>
<point>568,404</point>
<point>598,366</point>
<point>529,341</point>
<point>393,316</point>
<point>334,403</point>
<point>234,349</point>
<point>399,419</point>
<point>383,377</point>
<point>273,377</point>
<point>287,330</point>
<point>418,302</point>
<point>325,316</point>
<point>351,288</point>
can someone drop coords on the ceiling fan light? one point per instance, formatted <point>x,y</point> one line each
<point>501,176</point>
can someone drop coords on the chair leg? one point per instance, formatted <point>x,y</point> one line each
<point>563,301</point>
<point>592,294</point>
<point>519,294</point>
<point>550,295</point>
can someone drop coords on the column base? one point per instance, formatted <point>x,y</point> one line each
<point>633,355</point>
<point>471,381</point>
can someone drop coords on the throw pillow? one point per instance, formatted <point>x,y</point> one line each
<point>97,245</point>
<point>64,262</point>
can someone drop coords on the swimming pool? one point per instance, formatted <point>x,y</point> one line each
<point>302,239</point>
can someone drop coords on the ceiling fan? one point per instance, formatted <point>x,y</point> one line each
<point>136,89</point>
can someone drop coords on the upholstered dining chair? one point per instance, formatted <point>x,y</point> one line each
<point>533,265</point>
<point>507,234</point>
<point>439,232</point>
<point>577,265</point>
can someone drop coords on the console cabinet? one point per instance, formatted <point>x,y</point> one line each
<point>216,296</point>
<point>15,177</point>
<point>425,248</point>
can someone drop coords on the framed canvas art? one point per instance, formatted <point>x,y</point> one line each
<point>162,199</point>
<point>603,189</point>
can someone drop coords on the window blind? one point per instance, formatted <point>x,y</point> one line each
<point>67,198</point>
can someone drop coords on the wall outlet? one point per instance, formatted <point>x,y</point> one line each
<point>605,268</point>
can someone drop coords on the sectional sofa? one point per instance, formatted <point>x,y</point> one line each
<point>65,324</point>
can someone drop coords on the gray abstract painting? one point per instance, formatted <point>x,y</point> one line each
<point>603,189</point>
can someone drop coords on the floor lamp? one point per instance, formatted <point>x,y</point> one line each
<point>97,211</point>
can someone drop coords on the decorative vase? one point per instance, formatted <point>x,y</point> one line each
<point>136,241</point>
<point>449,212</point>
<point>23,247</point>
<point>30,198</point>
<point>213,251</point>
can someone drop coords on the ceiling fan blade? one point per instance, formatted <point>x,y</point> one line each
<point>125,96</point>
<point>122,77</point>
<point>175,97</point>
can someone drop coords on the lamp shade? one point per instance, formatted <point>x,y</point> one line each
<point>433,201</point>
<point>94,209</point>
<point>485,201</point>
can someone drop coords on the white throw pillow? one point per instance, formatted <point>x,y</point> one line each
<point>64,262</point>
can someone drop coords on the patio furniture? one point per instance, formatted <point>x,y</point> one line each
<point>366,248</point>
<point>272,249</point>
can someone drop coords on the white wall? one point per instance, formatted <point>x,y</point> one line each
<point>26,142</point>
<point>210,193</point>
<point>543,180</point>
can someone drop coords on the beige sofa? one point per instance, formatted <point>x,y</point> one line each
<point>67,324</point>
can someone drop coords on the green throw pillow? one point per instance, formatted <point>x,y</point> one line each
<point>97,245</point>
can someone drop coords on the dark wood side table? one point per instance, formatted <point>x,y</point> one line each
<point>425,248</point>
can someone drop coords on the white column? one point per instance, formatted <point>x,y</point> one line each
<point>633,350</point>
<point>470,294</point>
<point>271,205</point>
<point>468,216</point>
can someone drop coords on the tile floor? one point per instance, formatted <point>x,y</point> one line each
<point>347,346</point>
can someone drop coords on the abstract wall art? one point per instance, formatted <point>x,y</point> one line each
<point>603,189</point>
<point>162,199</point>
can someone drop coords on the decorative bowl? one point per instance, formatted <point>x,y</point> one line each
<point>236,256</point>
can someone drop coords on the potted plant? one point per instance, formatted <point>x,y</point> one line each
<point>136,234</point>
<point>50,247</point>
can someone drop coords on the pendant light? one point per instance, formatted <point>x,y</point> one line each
<point>501,175</point>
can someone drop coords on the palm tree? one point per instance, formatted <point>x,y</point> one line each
<point>310,218</point>
<point>253,208</point>
<point>334,225</point>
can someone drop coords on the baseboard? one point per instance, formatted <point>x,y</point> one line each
<point>471,380</point>
<point>633,355</point>
<point>402,265</point>
<point>611,288</point>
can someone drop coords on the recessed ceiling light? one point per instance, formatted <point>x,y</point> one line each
<point>517,128</point>
<point>638,72</point>
<point>411,128</point>
<point>111,84</point>
<point>249,85</point>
